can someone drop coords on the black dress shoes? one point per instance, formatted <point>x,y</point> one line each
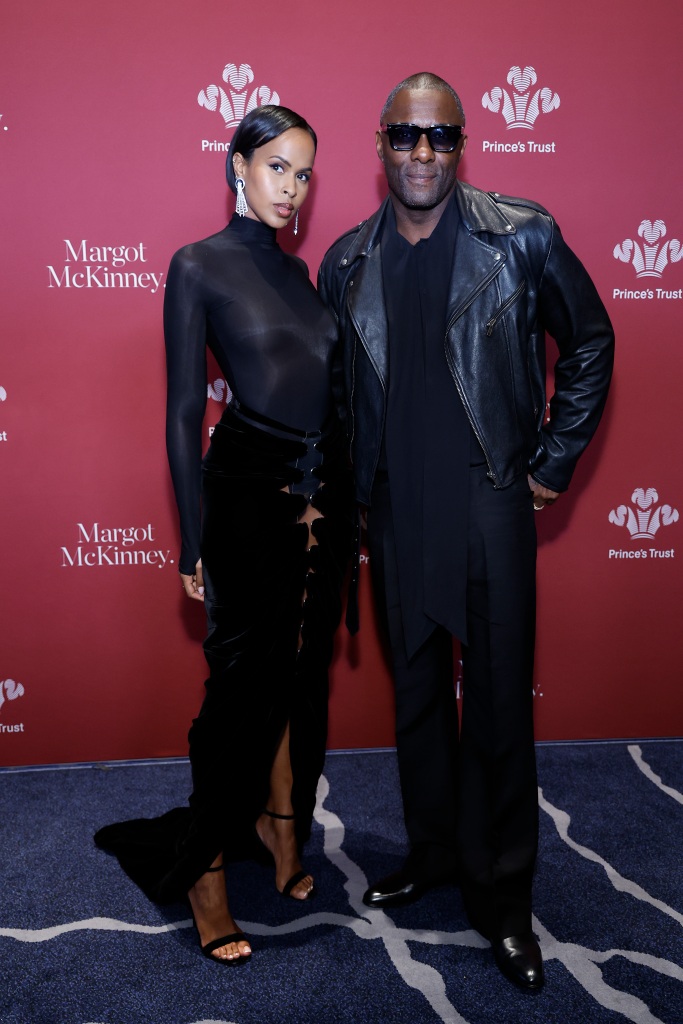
<point>519,959</point>
<point>396,890</point>
<point>417,876</point>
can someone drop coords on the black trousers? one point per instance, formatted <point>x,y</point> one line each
<point>470,794</point>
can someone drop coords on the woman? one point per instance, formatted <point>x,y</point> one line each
<point>275,532</point>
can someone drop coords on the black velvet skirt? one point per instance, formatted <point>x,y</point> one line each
<point>273,603</point>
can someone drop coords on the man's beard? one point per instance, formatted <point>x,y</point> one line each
<point>419,198</point>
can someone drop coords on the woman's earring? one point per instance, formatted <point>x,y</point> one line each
<point>241,207</point>
<point>296,223</point>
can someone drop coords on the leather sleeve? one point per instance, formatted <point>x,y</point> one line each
<point>573,314</point>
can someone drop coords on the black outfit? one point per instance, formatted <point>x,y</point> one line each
<point>427,434</point>
<point>466,362</point>
<point>272,602</point>
<point>515,278</point>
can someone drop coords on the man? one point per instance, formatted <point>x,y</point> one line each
<point>443,298</point>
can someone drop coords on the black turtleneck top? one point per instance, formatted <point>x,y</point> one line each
<point>256,309</point>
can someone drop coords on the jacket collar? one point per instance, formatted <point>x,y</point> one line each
<point>479,211</point>
<point>367,236</point>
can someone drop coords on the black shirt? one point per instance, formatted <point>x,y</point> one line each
<point>427,435</point>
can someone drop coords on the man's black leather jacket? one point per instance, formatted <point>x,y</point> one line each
<point>513,279</point>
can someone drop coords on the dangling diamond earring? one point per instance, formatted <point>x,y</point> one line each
<point>296,223</point>
<point>241,207</point>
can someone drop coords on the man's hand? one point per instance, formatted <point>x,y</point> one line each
<point>542,495</point>
<point>194,585</point>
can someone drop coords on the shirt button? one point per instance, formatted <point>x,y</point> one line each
<point>344,262</point>
<point>509,227</point>
<point>497,256</point>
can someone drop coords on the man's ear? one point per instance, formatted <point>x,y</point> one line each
<point>379,145</point>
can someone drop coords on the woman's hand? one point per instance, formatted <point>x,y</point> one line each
<point>194,585</point>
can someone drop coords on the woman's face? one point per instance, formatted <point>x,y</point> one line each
<point>277,176</point>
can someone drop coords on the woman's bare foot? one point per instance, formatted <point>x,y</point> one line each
<point>278,836</point>
<point>209,901</point>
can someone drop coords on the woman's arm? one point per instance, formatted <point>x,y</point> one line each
<point>185,337</point>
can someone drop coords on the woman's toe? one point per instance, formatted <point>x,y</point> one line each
<point>303,889</point>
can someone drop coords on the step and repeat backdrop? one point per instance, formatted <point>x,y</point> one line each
<point>114,125</point>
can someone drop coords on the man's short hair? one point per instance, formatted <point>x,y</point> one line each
<point>422,80</point>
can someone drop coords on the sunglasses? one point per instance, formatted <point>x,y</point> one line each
<point>443,138</point>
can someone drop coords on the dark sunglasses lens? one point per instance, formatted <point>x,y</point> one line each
<point>443,138</point>
<point>403,136</point>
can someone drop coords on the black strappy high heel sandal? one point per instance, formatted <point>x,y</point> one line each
<point>298,876</point>
<point>224,940</point>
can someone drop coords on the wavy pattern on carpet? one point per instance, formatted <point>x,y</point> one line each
<point>415,961</point>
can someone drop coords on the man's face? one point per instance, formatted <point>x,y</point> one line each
<point>421,179</point>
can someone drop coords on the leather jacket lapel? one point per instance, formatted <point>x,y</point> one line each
<point>365,293</point>
<point>474,266</point>
<point>368,314</point>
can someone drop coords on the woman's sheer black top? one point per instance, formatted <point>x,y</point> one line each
<point>271,335</point>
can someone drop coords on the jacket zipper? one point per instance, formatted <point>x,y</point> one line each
<point>458,313</point>
<point>504,308</point>
<point>482,284</point>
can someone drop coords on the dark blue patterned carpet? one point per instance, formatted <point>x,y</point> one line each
<point>79,944</point>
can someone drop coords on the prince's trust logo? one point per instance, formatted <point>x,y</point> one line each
<point>520,107</point>
<point>643,519</point>
<point>9,690</point>
<point>649,258</point>
<point>218,391</point>
<point>234,101</point>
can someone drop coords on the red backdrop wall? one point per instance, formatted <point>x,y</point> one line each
<point>113,130</point>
